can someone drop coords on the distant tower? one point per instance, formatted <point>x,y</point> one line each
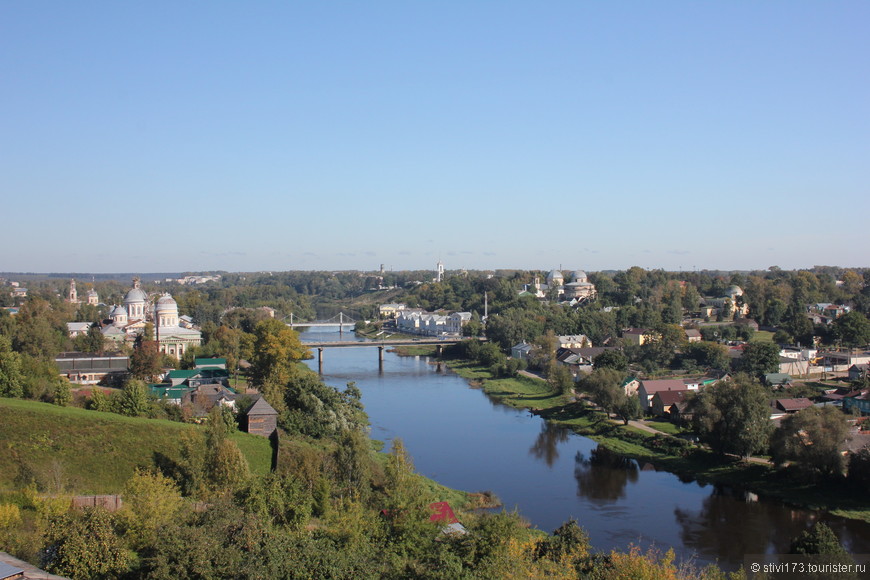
<point>73,295</point>
<point>439,268</point>
<point>93,297</point>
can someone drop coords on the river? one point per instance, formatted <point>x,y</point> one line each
<point>461,438</point>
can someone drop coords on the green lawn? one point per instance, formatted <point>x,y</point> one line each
<point>762,336</point>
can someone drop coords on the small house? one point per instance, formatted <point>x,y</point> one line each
<point>778,380</point>
<point>859,372</point>
<point>693,335</point>
<point>789,406</point>
<point>663,400</point>
<point>648,389</point>
<point>262,418</point>
<point>639,336</point>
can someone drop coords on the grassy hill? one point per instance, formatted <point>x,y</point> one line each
<point>93,452</point>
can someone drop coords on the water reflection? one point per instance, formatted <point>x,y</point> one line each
<point>604,475</point>
<point>729,529</point>
<point>546,445</point>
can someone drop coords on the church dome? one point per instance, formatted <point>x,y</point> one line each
<point>579,276</point>
<point>166,311</point>
<point>555,277</point>
<point>166,302</point>
<point>135,295</point>
<point>118,311</point>
<point>734,291</point>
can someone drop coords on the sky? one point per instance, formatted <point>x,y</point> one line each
<point>244,136</point>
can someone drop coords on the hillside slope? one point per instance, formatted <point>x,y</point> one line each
<point>91,452</point>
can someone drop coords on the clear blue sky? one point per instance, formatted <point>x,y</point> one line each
<point>168,136</point>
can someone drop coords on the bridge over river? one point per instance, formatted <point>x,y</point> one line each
<point>380,344</point>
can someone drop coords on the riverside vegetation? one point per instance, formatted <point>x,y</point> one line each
<point>671,448</point>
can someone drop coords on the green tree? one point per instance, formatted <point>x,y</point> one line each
<point>134,401</point>
<point>40,331</point>
<point>277,349</point>
<point>852,329</point>
<point>612,359</point>
<point>278,499</point>
<point>145,360</point>
<point>759,358</point>
<point>190,470</point>
<point>99,401</point>
<point>407,502</point>
<point>813,439</point>
<point>225,465</point>
<point>11,379</point>
<point>707,355</point>
<point>543,350</point>
<point>62,394</point>
<point>352,463</point>
<point>559,378</point>
<point>85,546</point>
<point>605,387</point>
<point>152,502</point>
<point>93,341</point>
<point>859,469</point>
<point>733,416</point>
<point>819,539</point>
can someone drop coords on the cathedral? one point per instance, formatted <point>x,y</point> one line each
<point>129,319</point>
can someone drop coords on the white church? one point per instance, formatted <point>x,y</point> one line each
<point>129,319</point>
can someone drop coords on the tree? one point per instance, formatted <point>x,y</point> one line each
<point>605,386</point>
<point>859,469</point>
<point>543,350</point>
<point>407,500</point>
<point>819,539</point>
<point>612,359</point>
<point>352,462</point>
<point>62,393</point>
<point>85,546</point>
<point>852,329</point>
<point>11,379</point>
<point>733,416</point>
<point>707,355</point>
<point>813,439</point>
<point>278,499</point>
<point>559,378</point>
<point>277,349</point>
<point>93,341</point>
<point>99,401</point>
<point>152,501</point>
<point>225,465</point>
<point>759,358</point>
<point>133,400</point>
<point>39,330</point>
<point>145,360</point>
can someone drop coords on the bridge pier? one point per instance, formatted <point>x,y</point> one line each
<point>381,359</point>
<point>320,360</point>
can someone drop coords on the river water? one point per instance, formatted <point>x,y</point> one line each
<point>461,438</point>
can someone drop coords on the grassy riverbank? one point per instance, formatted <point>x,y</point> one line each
<point>664,450</point>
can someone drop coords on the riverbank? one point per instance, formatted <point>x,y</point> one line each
<point>664,451</point>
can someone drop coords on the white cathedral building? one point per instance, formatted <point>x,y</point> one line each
<point>579,287</point>
<point>129,319</point>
